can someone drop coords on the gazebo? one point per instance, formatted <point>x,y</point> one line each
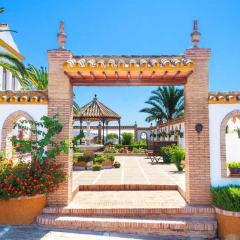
<point>95,111</point>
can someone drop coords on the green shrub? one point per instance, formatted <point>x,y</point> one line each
<point>79,150</point>
<point>166,152</point>
<point>130,147</point>
<point>96,167</point>
<point>100,159</point>
<point>233,164</point>
<point>116,164</point>
<point>86,159</point>
<point>127,138</point>
<point>112,136</point>
<point>177,156</point>
<point>227,197</point>
<point>138,150</point>
<point>110,157</point>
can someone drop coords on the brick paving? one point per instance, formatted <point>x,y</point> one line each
<point>134,170</point>
<point>128,199</point>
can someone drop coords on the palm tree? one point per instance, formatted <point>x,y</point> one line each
<point>166,103</point>
<point>37,79</point>
<point>13,65</point>
<point>5,30</point>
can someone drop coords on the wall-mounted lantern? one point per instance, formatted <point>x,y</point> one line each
<point>198,127</point>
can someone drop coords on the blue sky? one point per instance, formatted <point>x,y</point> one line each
<point>130,27</point>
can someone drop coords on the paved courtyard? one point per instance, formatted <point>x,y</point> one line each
<point>133,170</point>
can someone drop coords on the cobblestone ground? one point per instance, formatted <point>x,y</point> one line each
<point>36,233</point>
<point>134,170</point>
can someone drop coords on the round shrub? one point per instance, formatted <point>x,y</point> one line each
<point>96,167</point>
<point>227,197</point>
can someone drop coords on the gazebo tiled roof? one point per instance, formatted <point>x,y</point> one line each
<point>96,111</point>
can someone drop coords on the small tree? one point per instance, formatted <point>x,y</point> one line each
<point>42,146</point>
<point>77,138</point>
<point>112,136</point>
<point>127,138</point>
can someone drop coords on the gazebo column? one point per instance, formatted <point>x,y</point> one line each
<point>99,133</point>
<point>103,128</point>
<point>119,131</point>
<point>106,139</point>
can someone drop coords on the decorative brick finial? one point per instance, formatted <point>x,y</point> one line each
<point>195,34</point>
<point>61,36</point>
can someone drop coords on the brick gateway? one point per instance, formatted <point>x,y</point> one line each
<point>190,70</point>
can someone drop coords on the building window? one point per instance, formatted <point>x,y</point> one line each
<point>4,80</point>
<point>13,83</point>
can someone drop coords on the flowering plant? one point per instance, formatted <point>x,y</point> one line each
<point>40,175</point>
<point>29,178</point>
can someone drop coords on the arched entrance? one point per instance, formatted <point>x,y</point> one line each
<point>7,130</point>
<point>227,127</point>
<point>189,69</point>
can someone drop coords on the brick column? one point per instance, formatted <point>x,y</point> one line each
<point>60,93</point>
<point>197,144</point>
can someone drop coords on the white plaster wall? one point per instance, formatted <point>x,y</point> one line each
<point>217,112</point>
<point>36,111</point>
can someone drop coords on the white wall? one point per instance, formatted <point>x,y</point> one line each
<point>36,111</point>
<point>217,112</point>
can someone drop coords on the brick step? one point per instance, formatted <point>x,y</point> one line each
<point>189,211</point>
<point>127,187</point>
<point>180,227</point>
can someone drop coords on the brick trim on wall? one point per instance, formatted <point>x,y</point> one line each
<point>223,140</point>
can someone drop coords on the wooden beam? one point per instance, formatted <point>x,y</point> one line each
<point>67,74</point>
<point>80,74</point>
<point>105,75</point>
<point>129,75</point>
<point>116,74</point>
<point>93,75</point>
<point>153,73</point>
<point>175,76</point>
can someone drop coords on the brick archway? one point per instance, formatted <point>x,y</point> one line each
<point>223,140</point>
<point>8,124</point>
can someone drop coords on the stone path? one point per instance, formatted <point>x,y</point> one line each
<point>39,233</point>
<point>134,170</point>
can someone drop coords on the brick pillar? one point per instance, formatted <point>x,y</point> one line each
<point>197,144</point>
<point>60,93</point>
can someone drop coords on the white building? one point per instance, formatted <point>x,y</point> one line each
<point>8,45</point>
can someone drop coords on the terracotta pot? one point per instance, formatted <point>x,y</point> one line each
<point>80,164</point>
<point>228,224</point>
<point>22,210</point>
<point>107,164</point>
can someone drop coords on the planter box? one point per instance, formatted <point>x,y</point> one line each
<point>107,164</point>
<point>22,210</point>
<point>234,172</point>
<point>80,166</point>
<point>228,224</point>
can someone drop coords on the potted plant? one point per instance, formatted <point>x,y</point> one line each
<point>109,159</point>
<point>25,183</point>
<point>226,201</point>
<point>79,163</point>
<point>177,157</point>
<point>234,168</point>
